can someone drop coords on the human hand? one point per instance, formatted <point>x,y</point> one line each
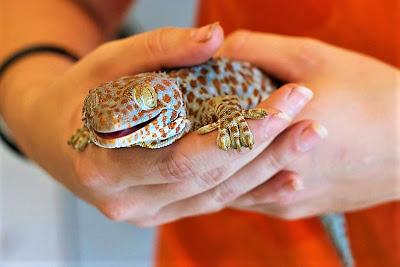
<point>355,98</point>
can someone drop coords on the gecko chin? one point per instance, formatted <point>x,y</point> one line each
<point>124,132</point>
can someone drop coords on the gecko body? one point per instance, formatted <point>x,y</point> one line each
<point>155,109</point>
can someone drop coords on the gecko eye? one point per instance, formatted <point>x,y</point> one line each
<point>146,97</point>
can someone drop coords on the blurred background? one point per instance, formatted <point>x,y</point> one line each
<point>42,224</point>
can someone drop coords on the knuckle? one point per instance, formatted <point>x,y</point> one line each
<point>103,53</point>
<point>209,178</point>
<point>177,166</point>
<point>224,194</point>
<point>309,54</point>
<point>87,174</point>
<point>155,42</point>
<point>102,59</point>
<point>114,210</point>
<point>91,176</point>
<point>234,42</point>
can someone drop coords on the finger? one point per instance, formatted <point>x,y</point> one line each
<point>149,51</point>
<point>298,139</point>
<point>280,188</point>
<point>287,58</point>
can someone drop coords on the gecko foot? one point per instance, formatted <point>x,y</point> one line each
<point>80,139</point>
<point>233,130</point>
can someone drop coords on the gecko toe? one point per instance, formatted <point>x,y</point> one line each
<point>80,139</point>
<point>247,140</point>
<point>223,139</point>
<point>234,135</point>
<point>254,113</point>
<point>208,128</point>
<point>246,137</point>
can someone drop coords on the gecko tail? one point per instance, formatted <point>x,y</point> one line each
<point>335,225</point>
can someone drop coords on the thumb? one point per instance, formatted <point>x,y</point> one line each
<point>149,51</point>
<point>291,59</point>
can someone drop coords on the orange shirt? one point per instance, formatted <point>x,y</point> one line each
<point>233,238</point>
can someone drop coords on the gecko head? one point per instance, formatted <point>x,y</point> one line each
<point>136,110</point>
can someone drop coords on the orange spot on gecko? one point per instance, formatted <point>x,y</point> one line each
<point>217,85</point>
<point>245,88</point>
<point>183,73</point>
<point>229,67</point>
<point>193,83</point>
<point>204,71</point>
<point>166,98</point>
<point>233,80</point>
<point>203,91</point>
<point>215,68</point>
<point>176,94</point>
<point>177,106</point>
<point>159,87</point>
<point>172,125</point>
<point>202,80</point>
<point>166,82</point>
<point>190,97</point>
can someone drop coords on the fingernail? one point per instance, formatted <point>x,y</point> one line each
<point>293,185</point>
<point>284,116</point>
<point>297,185</point>
<point>298,97</point>
<point>305,92</point>
<point>204,33</point>
<point>311,135</point>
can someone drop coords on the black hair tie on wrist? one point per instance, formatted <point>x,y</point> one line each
<point>45,48</point>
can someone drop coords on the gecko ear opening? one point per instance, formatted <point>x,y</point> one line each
<point>145,96</point>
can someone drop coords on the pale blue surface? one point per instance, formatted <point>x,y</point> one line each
<point>335,224</point>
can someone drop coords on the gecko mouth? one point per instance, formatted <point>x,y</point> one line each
<point>124,132</point>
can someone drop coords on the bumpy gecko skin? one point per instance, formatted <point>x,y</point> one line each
<point>155,109</point>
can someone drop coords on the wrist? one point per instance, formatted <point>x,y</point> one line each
<point>22,83</point>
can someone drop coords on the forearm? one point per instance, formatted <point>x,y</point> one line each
<point>22,89</point>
